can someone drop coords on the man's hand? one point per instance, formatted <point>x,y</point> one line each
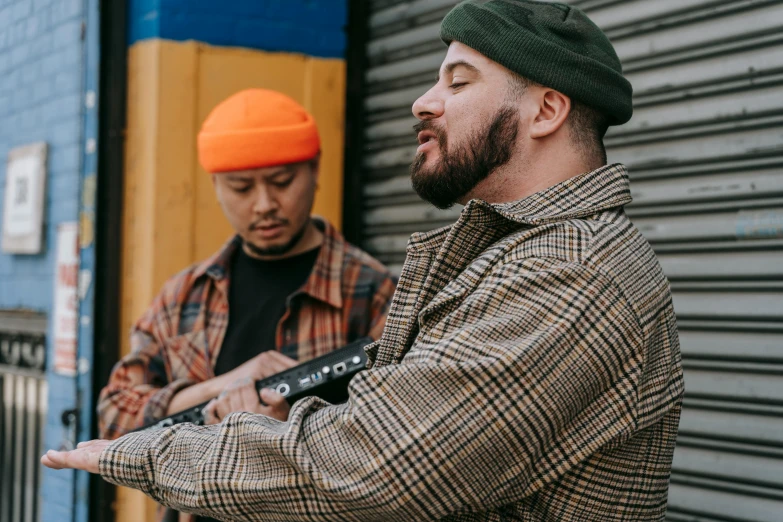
<point>242,396</point>
<point>263,365</point>
<point>84,457</point>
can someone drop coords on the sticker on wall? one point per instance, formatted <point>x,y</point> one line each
<point>25,186</point>
<point>66,299</point>
<point>760,224</point>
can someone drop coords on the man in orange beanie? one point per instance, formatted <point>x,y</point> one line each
<point>294,288</point>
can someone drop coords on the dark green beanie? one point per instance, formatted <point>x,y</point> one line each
<point>554,45</point>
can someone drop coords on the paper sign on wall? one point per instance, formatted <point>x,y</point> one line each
<point>66,301</point>
<point>25,184</point>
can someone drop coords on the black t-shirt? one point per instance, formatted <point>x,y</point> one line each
<point>257,296</point>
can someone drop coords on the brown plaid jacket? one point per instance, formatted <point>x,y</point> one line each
<point>177,341</point>
<point>529,370</point>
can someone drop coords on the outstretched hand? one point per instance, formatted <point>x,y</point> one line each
<point>84,457</point>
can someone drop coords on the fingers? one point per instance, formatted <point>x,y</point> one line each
<point>281,361</point>
<point>246,399</point>
<point>229,403</point>
<point>240,395</point>
<point>272,398</point>
<point>88,443</point>
<point>263,365</point>
<point>272,362</point>
<point>85,458</point>
<point>210,416</point>
<point>53,462</point>
<point>75,459</point>
<point>275,405</point>
<point>220,409</point>
<point>242,398</point>
<point>247,396</point>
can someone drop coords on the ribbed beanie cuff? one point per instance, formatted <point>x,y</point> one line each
<point>257,128</point>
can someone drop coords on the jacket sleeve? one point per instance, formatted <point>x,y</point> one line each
<point>531,373</point>
<point>138,391</point>
<point>379,307</point>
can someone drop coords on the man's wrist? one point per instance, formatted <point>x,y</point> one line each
<point>194,394</point>
<point>220,382</point>
<point>125,461</point>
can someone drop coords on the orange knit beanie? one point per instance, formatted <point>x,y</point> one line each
<point>256,128</point>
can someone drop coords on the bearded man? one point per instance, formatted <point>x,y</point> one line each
<point>530,365</point>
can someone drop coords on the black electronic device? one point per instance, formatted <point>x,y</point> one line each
<point>326,377</point>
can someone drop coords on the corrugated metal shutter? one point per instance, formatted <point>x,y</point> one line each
<point>705,152</point>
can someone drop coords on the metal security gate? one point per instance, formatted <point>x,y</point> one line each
<point>23,398</point>
<point>705,152</point>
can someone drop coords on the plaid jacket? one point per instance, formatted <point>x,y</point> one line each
<point>529,370</point>
<point>177,341</point>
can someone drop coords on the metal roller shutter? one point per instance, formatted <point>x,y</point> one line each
<point>705,152</point>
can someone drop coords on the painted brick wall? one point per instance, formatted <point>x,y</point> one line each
<point>41,100</point>
<point>313,27</point>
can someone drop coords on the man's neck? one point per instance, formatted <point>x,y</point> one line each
<point>524,176</point>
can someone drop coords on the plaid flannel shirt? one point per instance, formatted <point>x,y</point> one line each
<point>177,341</point>
<point>529,370</point>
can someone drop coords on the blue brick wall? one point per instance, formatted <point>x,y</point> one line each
<point>41,76</point>
<point>40,100</point>
<point>313,27</point>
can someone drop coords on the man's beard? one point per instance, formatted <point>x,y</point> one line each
<point>278,250</point>
<point>460,170</point>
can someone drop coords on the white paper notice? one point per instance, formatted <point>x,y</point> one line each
<point>22,185</point>
<point>25,199</point>
<point>66,302</point>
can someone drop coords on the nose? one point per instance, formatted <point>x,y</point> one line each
<point>428,106</point>
<point>264,201</point>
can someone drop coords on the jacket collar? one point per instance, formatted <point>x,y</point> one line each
<point>580,196</point>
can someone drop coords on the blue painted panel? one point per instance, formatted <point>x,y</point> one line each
<point>143,19</point>
<point>313,27</point>
<point>324,13</point>
<point>87,266</point>
<point>313,41</point>
<point>216,29</point>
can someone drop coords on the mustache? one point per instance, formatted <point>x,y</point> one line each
<point>429,125</point>
<point>267,222</point>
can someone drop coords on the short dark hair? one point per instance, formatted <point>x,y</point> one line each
<point>588,128</point>
<point>586,124</point>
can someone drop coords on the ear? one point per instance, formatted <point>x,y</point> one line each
<point>216,186</point>
<point>315,166</point>
<point>553,110</point>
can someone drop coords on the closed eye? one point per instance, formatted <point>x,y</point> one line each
<point>457,85</point>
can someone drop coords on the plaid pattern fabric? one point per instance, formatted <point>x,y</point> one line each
<point>177,341</point>
<point>529,370</point>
